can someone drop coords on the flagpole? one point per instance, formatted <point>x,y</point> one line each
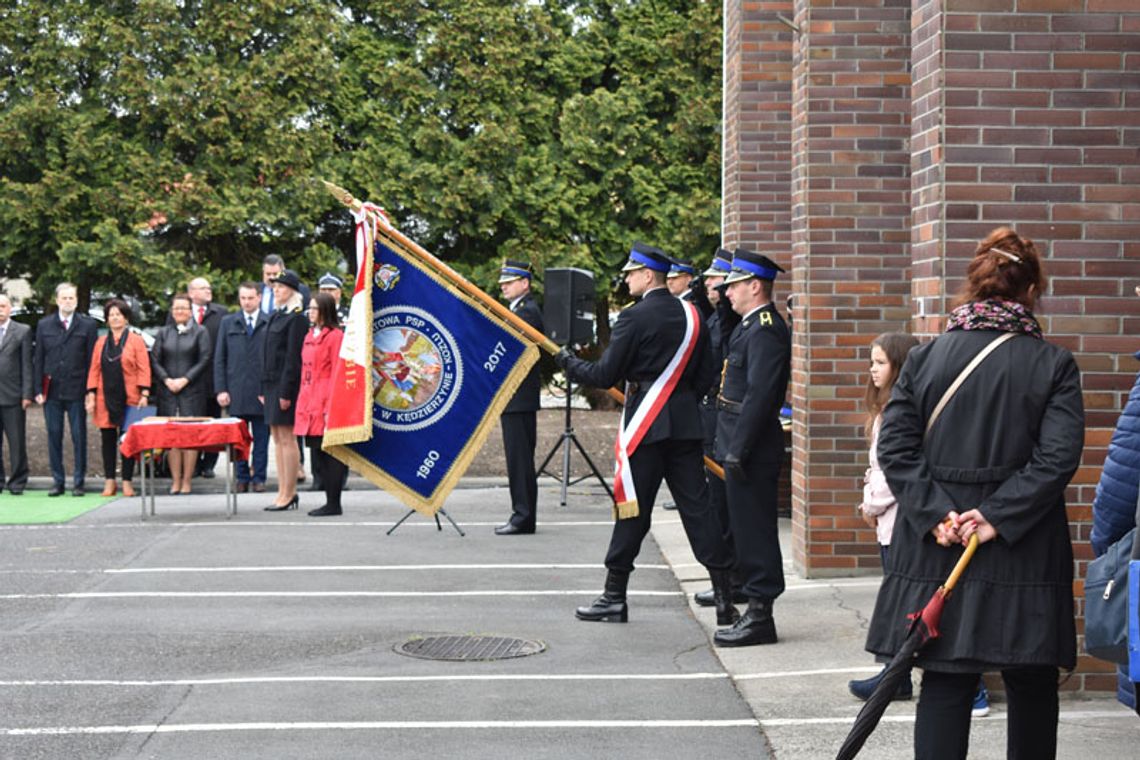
<point>498,309</point>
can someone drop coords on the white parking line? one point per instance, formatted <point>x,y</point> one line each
<point>395,725</point>
<point>378,679</point>
<point>1066,715</point>
<point>314,568</point>
<point>294,523</point>
<point>385,568</point>
<point>801,673</point>
<point>704,676</point>
<point>311,594</point>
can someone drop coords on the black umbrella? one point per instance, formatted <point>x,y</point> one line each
<point>923,628</point>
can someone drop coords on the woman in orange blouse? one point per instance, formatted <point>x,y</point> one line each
<point>119,377</point>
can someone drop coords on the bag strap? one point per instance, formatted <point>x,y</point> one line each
<point>954,386</point>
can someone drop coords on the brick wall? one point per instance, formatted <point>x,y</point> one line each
<point>850,255</point>
<point>756,209</point>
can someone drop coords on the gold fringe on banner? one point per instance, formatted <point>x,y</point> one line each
<point>376,475</point>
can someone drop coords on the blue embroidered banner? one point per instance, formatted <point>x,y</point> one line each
<point>442,369</point>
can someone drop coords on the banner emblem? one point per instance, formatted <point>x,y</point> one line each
<point>417,369</point>
<point>386,277</point>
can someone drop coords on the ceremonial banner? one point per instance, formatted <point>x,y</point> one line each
<point>423,375</point>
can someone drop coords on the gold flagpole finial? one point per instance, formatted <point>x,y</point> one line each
<point>342,195</point>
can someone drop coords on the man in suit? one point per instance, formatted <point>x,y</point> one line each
<point>16,394</point>
<point>660,349</point>
<point>237,379</point>
<point>208,314</point>
<point>519,420</point>
<point>60,359</point>
<point>750,441</point>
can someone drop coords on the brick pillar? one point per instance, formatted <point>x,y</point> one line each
<point>850,255</point>
<point>1030,117</point>
<point>756,205</point>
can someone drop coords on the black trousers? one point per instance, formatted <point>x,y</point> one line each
<point>109,438</point>
<point>942,721</point>
<point>520,433</point>
<point>755,530</point>
<point>679,464</point>
<point>14,425</point>
<point>718,502</point>
<point>329,469</point>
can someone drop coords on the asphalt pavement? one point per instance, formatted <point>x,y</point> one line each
<point>273,635</point>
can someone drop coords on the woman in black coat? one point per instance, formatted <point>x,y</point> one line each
<point>995,463</point>
<point>180,358</point>
<point>281,381</point>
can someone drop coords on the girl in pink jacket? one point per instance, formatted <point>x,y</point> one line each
<point>888,352</point>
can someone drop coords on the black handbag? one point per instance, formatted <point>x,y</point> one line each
<point>1106,600</point>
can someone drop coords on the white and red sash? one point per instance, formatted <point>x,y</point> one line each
<point>631,432</point>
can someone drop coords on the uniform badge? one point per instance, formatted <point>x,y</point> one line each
<point>417,370</point>
<point>386,276</point>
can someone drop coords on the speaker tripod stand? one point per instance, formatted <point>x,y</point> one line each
<point>564,443</point>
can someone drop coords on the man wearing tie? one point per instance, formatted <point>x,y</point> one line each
<point>519,420</point>
<point>16,393</point>
<point>237,379</point>
<point>60,359</point>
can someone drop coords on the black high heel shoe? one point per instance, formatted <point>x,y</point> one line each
<point>293,504</point>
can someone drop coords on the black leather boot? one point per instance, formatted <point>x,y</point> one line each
<point>705,598</point>
<point>610,607</point>
<point>756,626</point>
<point>726,614</point>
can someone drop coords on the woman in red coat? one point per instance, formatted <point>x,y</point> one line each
<point>318,356</point>
<point>119,377</point>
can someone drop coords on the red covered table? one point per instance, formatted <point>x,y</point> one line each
<point>229,434</point>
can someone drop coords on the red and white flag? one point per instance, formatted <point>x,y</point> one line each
<point>350,403</point>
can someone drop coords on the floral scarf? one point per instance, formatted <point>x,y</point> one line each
<point>994,314</point>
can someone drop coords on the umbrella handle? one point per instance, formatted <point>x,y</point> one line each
<point>959,568</point>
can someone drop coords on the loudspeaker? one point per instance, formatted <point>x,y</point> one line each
<point>568,308</point>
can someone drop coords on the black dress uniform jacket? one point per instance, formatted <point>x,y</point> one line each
<point>753,387</point>
<point>526,397</point>
<point>643,341</point>
<point>1008,443</point>
<point>721,324</point>
<point>645,338</point>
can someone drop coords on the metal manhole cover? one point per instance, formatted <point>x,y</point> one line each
<point>469,648</point>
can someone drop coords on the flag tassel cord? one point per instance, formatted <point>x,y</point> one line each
<point>479,295</point>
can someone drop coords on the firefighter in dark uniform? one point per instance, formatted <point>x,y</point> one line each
<point>683,283</point>
<point>720,323</point>
<point>519,420</point>
<point>331,284</point>
<point>750,441</point>
<point>645,345</point>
